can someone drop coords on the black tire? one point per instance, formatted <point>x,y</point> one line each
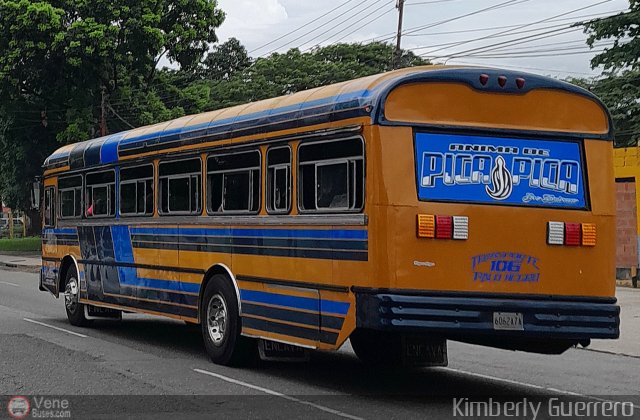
<point>75,310</point>
<point>225,346</point>
<point>377,347</point>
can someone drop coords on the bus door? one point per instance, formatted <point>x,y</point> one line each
<point>49,270</point>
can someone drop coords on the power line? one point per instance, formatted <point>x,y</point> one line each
<point>364,25</point>
<point>526,25</point>
<point>515,41</point>
<point>462,31</point>
<point>550,54</point>
<point>408,31</point>
<point>301,27</point>
<point>429,2</point>
<point>348,27</point>
<point>475,12</point>
<point>324,24</point>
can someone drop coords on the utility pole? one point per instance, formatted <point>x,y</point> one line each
<point>103,120</point>
<point>395,61</point>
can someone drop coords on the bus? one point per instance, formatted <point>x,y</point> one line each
<point>399,211</point>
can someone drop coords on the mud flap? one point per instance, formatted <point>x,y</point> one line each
<point>92,312</point>
<point>281,352</point>
<point>418,350</point>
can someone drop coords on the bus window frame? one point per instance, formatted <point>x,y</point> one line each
<point>75,193</point>
<point>224,212</point>
<point>147,213</point>
<point>109,195</point>
<point>188,175</point>
<point>51,192</point>
<point>347,160</point>
<point>289,168</point>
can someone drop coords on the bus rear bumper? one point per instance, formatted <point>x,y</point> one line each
<point>470,317</point>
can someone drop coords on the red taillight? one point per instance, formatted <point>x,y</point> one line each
<point>484,78</point>
<point>444,227</point>
<point>572,234</point>
<point>520,82</point>
<point>502,80</point>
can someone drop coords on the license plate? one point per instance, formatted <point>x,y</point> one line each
<point>511,321</point>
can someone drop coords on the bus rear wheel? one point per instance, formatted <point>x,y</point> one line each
<point>221,325</point>
<point>75,309</point>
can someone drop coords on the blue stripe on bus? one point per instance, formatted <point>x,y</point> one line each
<point>123,251</point>
<point>68,231</point>
<point>109,149</point>
<point>297,302</point>
<point>342,97</point>
<point>271,233</point>
<point>169,285</point>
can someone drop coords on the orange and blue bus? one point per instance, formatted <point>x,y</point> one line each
<point>398,210</point>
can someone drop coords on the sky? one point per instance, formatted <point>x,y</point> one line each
<point>532,35</point>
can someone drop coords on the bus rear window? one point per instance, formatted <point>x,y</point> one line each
<point>500,170</point>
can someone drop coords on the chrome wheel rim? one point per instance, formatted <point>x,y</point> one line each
<point>217,319</point>
<point>71,295</point>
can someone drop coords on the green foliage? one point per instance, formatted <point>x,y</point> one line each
<point>20,244</point>
<point>63,62</point>
<point>624,29</point>
<point>620,94</point>
<point>293,71</point>
<point>60,59</point>
<point>619,89</point>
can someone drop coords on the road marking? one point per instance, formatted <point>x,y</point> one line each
<point>525,384</point>
<point>278,394</point>
<point>55,328</point>
<point>10,284</point>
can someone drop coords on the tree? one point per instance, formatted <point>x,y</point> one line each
<point>225,60</point>
<point>620,88</point>
<point>293,71</point>
<point>61,60</point>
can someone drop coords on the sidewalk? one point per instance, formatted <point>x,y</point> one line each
<point>26,261</point>
<point>629,341</point>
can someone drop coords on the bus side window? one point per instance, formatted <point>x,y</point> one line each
<point>136,191</point>
<point>233,183</point>
<point>179,184</point>
<point>49,207</point>
<point>70,196</point>
<point>279,179</point>
<point>331,176</point>
<point>100,194</point>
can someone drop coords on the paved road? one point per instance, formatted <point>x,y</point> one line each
<point>141,360</point>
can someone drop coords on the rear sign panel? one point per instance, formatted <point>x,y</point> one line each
<point>498,170</point>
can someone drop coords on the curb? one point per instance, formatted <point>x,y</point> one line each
<point>624,283</point>
<point>20,267</point>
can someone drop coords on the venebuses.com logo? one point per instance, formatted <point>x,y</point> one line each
<point>21,407</point>
<point>18,407</point>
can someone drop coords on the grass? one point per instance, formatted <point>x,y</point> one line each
<point>20,244</point>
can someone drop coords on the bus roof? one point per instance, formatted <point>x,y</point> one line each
<point>354,98</point>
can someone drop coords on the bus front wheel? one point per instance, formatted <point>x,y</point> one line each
<point>75,309</point>
<point>221,325</point>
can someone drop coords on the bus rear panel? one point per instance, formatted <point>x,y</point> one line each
<point>496,225</point>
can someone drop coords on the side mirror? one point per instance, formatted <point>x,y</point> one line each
<point>36,194</point>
